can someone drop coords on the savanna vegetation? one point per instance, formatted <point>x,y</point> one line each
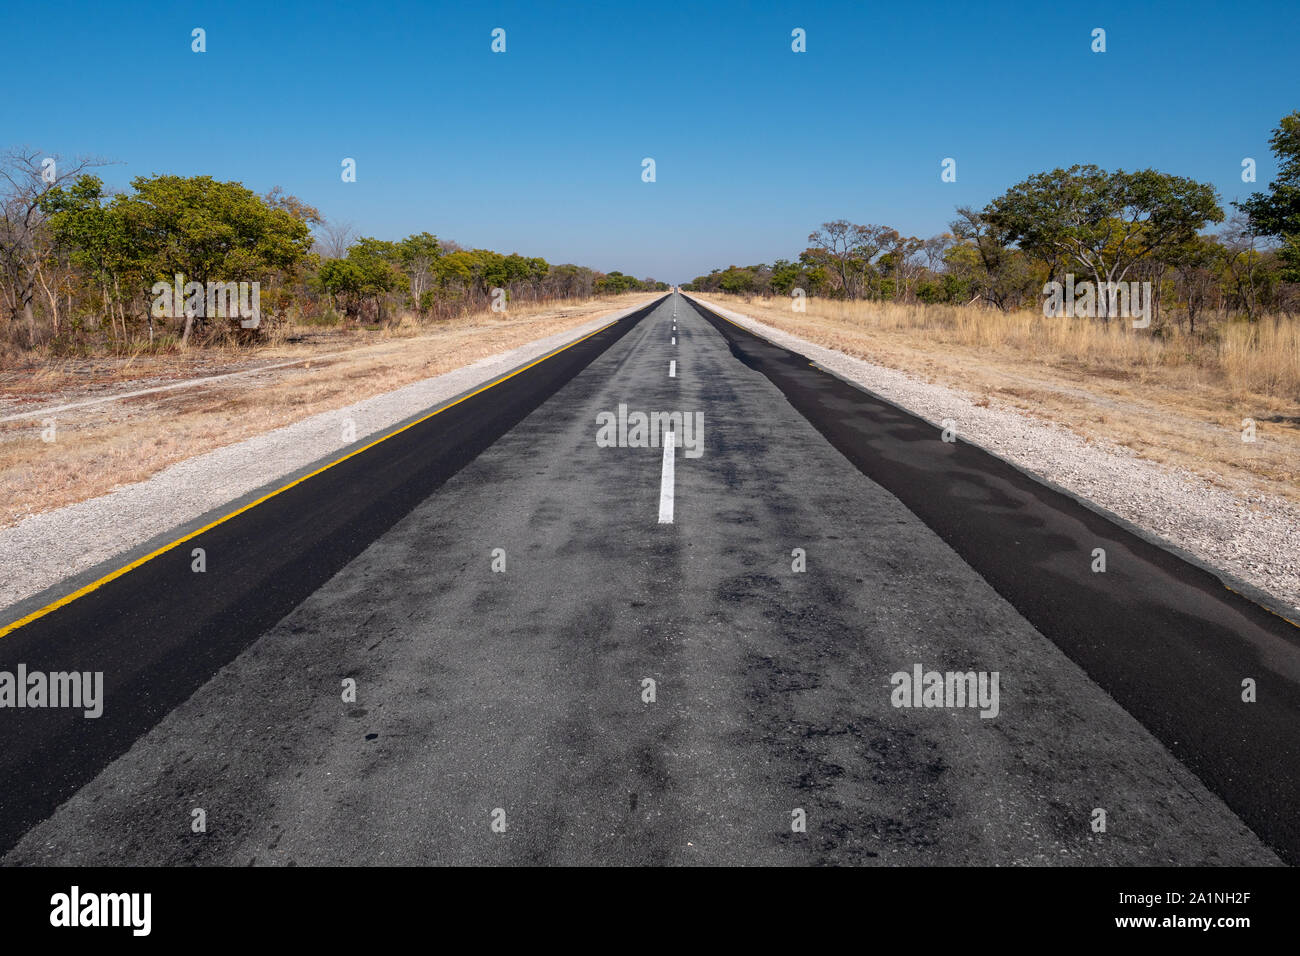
<point>1219,362</point>
<point>1100,226</point>
<point>80,265</point>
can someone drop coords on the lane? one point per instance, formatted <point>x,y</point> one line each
<point>524,689</point>
<point>1166,638</point>
<point>160,631</point>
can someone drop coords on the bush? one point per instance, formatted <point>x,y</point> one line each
<point>329,319</point>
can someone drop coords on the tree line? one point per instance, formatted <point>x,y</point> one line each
<point>1105,227</point>
<point>81,266</point>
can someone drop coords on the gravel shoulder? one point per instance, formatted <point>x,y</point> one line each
<point>66,547</point>
<point>76,429</point>
<point>1252,537</point>
<point>520,693</point>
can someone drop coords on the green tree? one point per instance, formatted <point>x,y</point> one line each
<point>363,277</point>
<point>1277,212</point>
<point>615,282</point>
<point>786,277</point>
<point>82,220</point>
<point>1104,222</point>
<point>204,230</point>
<point>418,256</point>
<point>737,280</point>
<point>984,262</point>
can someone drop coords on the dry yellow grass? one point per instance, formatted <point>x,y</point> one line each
<point>130,439</point>
<point>1176,399</point>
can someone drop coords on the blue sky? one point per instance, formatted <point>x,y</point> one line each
<point>538,150</point>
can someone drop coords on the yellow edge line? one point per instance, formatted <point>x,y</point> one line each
<point>1258,605</point>
<point>81,592</point>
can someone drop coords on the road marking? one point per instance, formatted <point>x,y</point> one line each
<point>666,483</point>
<point>674,340</point>
<point>672,369</point>
<point>1257,604</point>
<point>95,585</point>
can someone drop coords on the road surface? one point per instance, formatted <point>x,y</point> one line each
<point>547,671</point>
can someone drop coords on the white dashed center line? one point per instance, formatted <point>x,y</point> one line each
<point>666,484</point>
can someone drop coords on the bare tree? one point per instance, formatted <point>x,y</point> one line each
<point>1240,240</point>
<point>25,179</point>
<point>935,248</point>
<point>335,239</point>
<point>870,244</point>
<point>1194,271</point>
<point>835,240</point>
<point>1001,277</point>
<point>905,262</point>
<point>277,198</point>
<point>852,251</point>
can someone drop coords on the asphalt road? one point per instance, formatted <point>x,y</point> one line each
<point>486,696</point>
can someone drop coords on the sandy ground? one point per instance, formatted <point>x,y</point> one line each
<point>118,421</point>
<point>1183,416</point>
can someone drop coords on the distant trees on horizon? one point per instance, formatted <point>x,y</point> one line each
<point>1103,226</point>
<point>78,263</point>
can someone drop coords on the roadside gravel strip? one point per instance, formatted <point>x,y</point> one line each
<point>1251,538</point>
<point>46,549</point>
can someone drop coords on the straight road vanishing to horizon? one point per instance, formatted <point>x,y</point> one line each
<point>526,628</point>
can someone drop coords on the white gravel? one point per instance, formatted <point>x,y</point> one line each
<point>46,548</point>
<point>1253,538</point>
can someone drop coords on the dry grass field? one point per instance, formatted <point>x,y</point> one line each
<point>128,439</point>
<point>1174,398</point>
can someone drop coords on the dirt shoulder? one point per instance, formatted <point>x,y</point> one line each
<point>1181,417</point>
<point>1168,461</point>
<point>121,421</point>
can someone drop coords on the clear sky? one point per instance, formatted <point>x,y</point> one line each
<point>538,150</point>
